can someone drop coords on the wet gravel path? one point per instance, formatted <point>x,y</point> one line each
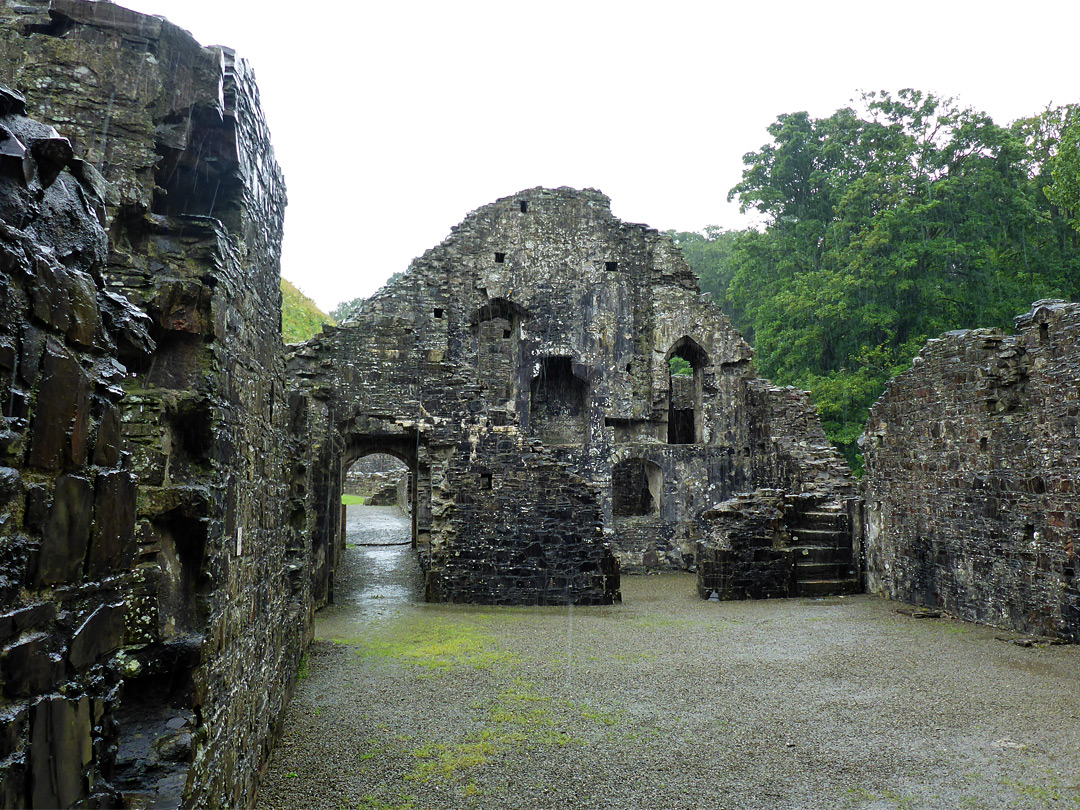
<point>664,702</point>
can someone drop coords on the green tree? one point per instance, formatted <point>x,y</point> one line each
<point>1064,190</point>
<point>342,311</point>
<point>885,226</point>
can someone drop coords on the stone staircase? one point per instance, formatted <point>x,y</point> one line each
<point>821,542</point>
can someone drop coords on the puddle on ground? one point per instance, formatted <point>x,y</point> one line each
<point>379,572</point>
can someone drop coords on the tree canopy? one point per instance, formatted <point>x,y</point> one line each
<point>886,225</point>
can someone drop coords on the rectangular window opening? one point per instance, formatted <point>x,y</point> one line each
<point>611,267</point>
<point>485,480</point>
<point>438,312</point>
<point>500,258</point>
<point>524,206</point>
<point>506,333</point>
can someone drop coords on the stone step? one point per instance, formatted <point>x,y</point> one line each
<point>820,553</point>
<point>818,536</point>
<point>811,571</point>
<point>819,521</point>
<point>827,587</point>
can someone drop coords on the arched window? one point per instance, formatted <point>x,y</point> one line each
<point>497,323</point>
<point>686,361</point>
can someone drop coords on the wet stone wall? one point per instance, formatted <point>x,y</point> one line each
<point>216,595</point>
<point>522,371</point>
<point>68,492</point>
<point>972,461</point>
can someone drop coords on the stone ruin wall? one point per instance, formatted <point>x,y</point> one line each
<point>170,510</point>
<point>68,494</point>
<point>180,468</point>
<point>522,368</point>
<point>972,471</point>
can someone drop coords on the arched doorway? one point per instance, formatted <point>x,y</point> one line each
<point>394,456</point>
<point>378,479</point>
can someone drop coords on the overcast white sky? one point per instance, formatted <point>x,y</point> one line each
<point>392,120</point>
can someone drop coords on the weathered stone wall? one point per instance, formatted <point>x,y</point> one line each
<point>518,364</point>
<point>972,462</point>
<point>219,597</point>
<point>67,489</point>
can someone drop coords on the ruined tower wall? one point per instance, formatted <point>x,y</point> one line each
<point>972,462</point>
<point>218,605</point>
<point>527,357</point>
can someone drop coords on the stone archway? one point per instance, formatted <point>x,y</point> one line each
<point>402,446</point>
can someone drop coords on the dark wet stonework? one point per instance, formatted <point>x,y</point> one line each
<point>668,702</point>
<point>171,514</point>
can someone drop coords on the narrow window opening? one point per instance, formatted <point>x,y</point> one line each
<point>506,333</point>
<point>611,267</point>
<point>1044,332</point>
<point>681,426</point>
<point>500,258</point>
<point>686,363</point>
<point>984,444</point>
<point>438,312</point>
<point>524,206</point>
<point>485,480</point>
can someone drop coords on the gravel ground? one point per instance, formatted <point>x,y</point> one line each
<point>664,702</point>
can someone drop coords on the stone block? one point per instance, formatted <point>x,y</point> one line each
<point>31,348</point>
<point>13,783</point>
<point>60,751</point>
<point>67,531</point>
<point>60,421</point>
<point>108,444</point>
<point>31,666</point>
<point>12,730</point>
<point>85,327</point>
<point>100,634</point>
<point>34,617</point>
<point>52,304</point>
<point>112,546</point>
<point>10,485</point>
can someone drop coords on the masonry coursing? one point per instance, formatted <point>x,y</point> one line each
<point>198,589</point>
<point>973,464</point>
<point>521,370</point>
<point>171,476</point>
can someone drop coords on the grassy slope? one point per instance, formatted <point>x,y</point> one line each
<point>300,318</point>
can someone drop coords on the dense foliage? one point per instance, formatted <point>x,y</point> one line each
<point>300,318</point>
<point>1065,165</point>
<point>885,226</point>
